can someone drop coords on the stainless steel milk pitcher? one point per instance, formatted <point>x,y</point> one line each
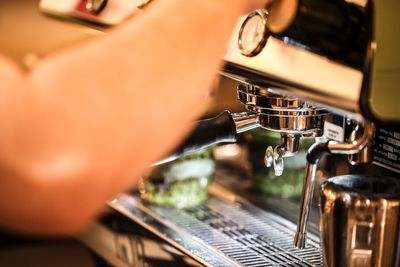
<point>360,221</point>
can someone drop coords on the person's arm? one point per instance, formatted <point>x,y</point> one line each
<point>84,123</point>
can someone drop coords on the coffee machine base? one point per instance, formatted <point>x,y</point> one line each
<point>245,236</point>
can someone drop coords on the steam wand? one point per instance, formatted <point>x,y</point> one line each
<point>314,154</point>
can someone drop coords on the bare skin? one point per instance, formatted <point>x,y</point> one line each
<point>68,145</point>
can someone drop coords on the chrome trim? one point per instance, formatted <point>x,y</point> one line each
<point>287,65</point>
<point>360,221</point>
<point>134,210</point>
<point>356,145</point>
<point>289,147</point>
<point>245,121</point>
<point>283,114</point>
<point>262,13</point>
<point>245,236</point>
<point>281,86</point>
<point>366,155</point>
<point>290,144</point>
<point>311,126</point>
<point>285,111</point>
<point>305,206</point>
<point>265,99</point>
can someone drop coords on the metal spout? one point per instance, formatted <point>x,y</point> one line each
<point>289,147</point>
<point>290,143</point>
<point>305,205</point>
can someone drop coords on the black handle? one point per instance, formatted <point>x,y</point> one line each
<point>220,129</point>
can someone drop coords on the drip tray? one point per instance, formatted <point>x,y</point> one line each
<point>225,231</point>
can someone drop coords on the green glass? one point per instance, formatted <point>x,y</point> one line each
<point>182,183</point>
<point>290,183</point>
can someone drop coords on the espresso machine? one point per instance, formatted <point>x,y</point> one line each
<point>327,69</point>
<point>301,63</point>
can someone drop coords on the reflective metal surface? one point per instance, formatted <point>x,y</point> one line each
<point>299,73</point>
<point>360,221</point>
<point>356,145</point>
<point>253,33</point>
<point>309,178</point>
<point>245,121</point>
<point>289,147</point>
<point>305,206</point>
<point>244,236</point>
<point>366,155</point>
<point>290,144</point>
<point>289,116</point>
<point>282,113</point>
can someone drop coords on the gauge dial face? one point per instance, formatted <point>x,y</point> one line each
<point>253,33</point>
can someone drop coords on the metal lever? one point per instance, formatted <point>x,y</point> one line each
<point>314,154</point>
<point>222,129</point>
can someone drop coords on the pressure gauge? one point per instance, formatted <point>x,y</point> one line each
<point>253,33</point>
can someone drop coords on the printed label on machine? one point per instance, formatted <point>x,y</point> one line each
<point>387,149</point>
<point>333,132</point>
<point>334,129</point>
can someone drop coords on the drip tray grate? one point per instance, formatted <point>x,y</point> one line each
<point>225,233</point>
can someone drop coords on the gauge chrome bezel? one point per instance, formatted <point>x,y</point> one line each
<point>263,14</point>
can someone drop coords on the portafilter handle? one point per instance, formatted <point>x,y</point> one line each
<point>223,128</point>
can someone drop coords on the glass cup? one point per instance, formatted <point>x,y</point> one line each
<point>182,183</point>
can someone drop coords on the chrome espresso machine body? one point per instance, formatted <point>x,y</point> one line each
<point>302,62</point>
<point>307,68</point>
